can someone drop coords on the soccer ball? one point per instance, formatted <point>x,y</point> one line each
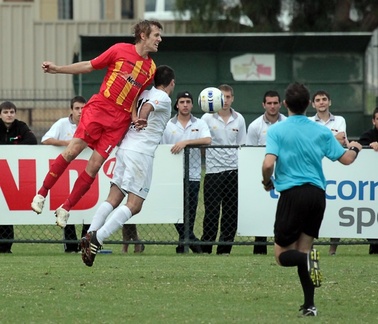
<point>211,100</point>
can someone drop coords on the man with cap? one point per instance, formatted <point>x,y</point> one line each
<point>182,130</point>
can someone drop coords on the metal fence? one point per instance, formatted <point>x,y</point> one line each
<point>216,188</point>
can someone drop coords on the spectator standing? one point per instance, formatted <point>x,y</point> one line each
<point>182,130</point>
<point>107,115</point>
<point>321,101</point>
<point>227,127</point>
<point>12,132</point>
<point>134,162</point>
<point>294,152</point>
<point>60,134</point>
<point>256,135</point>
<point>370,137</point>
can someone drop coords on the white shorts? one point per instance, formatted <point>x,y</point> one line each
<point>133,172</point>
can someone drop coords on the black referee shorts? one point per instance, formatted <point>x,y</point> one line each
<point>299,210</point>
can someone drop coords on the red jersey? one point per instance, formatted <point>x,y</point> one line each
<point>127,76</point>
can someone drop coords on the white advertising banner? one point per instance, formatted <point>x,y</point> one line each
<point>23,168</point>
<point>351,211</point>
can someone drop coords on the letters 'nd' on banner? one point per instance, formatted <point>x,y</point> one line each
<point>23,168</point>
<point>351,192</point>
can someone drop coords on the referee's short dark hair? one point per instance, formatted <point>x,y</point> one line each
<point>297,98</point>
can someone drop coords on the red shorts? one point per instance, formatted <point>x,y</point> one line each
<point>102,126</point>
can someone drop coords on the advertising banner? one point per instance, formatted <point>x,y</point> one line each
<point>351,207</point>
<point>23,168</point>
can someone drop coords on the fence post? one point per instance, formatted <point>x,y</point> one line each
<point>186,199</point>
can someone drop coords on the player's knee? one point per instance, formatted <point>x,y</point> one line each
<point>94,165</point>
<point>134,208</point>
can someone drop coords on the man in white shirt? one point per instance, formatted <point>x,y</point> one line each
<point>256,135</point>
<point>182,130</point>
<point>227,127</point>
<point>134,163</point>
<point>321,101</point>
<point>60,134</point>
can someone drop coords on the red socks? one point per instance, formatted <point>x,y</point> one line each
<point>56,170</point>
<point>81,186</point>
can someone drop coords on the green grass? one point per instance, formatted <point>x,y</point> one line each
<point>41,284</point>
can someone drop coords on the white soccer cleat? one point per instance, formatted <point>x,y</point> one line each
<point>61,217</point>
<point>37,203</point>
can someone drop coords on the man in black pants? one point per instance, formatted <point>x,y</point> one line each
<point>12,132</point>
<point>294,152</point>
<point>370,138</point>
<point>227,127</point>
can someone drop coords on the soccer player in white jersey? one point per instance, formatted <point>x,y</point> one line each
<point>321,101</point>
<point>256,135</point>
<point>134,162</point>
<point>227,127</point>
<point>182,130</point>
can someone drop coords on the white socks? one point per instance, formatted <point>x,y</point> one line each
<point>100,216</point>
<point>120,216</point>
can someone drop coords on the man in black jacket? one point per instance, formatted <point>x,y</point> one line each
<point>12,131</point>
<point>370,138</point>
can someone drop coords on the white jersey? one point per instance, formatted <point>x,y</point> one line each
<point>194,129</point>
<point>336,124</point>
<point>63,129</point>
<point>231,133</point>
<point>146,140</point>
<point>257,130</point>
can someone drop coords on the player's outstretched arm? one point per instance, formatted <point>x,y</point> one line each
<point>75,68</point>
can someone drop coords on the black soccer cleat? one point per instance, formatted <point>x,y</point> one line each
<point>89,247</point>
<point>308,311</point>
<point>314,268</point>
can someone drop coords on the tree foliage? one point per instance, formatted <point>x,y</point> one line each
<point>334,15</point>
<point>214,16</point>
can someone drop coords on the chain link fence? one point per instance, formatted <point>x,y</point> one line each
<point>217,195</point>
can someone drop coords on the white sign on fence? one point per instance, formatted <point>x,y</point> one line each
<point>23,168</point>
<point>351,210</point>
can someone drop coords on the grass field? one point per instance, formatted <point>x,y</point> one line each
<point>41,284</point>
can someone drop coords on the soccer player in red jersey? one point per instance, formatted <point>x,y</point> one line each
<point>107,115</point>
